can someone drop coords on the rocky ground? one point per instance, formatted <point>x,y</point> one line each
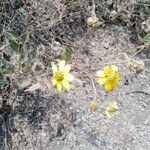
<point>42,120</point>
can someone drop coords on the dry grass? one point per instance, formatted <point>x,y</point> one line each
<point>35,120</point>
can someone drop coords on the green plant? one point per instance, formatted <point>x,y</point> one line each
<point>6,69</point>
<point>17,42</point>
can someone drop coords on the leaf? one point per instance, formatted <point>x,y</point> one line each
<point>14,46</point>
<point>6,67</point>
<point>146,38</point>
<point>2,64</point>
<point>13,40</point>
<point>66,53</point>
<point>9,69</point>
<point>3,80</point>
<point>12,35</point>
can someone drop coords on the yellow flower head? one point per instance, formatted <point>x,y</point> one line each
<point>61,76</point>
<point>110,108</point>
<point>108,77</point>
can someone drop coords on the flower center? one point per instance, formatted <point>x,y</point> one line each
<point>59,75</point>
<point>112,76</point>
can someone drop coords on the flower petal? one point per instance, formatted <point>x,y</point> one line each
<point>59,87</point>
<point>66,84</point>
<point>61,65</point>
<point>115,68</point>
<point>67,68</point>
<point>114,84</point>
<point>107,113</point>
<point>117,76</point>
<point>54,81</point>
<point>54,68</point>
<point>108,85</point>
<point>100,73</point>
<point>69,77</point>
<point>107,70</point>
<point>102,80</point>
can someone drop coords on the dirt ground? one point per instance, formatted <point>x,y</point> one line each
<point>42,120</point>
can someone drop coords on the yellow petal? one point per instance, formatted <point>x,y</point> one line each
<point>54,68</point>
<point>69,77</point>
<point>102,80</point>
<point>108,85</point>
<point>61,65</point>
<point>107,70</point>
<point>66,84</point>
<point>100,73</point>
<point>107,114</point>
<point>115,68</point>
<point>114,84</point>
<point>59,87</point>
<point>67,68</point>
<point>117,76</point>
<point>54,82</point>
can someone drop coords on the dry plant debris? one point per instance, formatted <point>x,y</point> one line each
<point>41,42</point>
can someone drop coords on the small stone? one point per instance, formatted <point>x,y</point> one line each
<point>106,45</point>
<point>147,121</point>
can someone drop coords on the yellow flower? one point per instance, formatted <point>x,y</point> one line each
<point>108,77</point>
<point>110,108</point>
<point>61,76</point>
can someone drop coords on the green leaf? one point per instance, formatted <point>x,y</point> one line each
<point>3,80</point>
<point>14,46</point>
<point>12,35</point>
<point>146,38</point>
<point>66,53</point>
<point>9,69</point>
<point>2,64</point>
<point>13,40</point>
<point>6,67</point>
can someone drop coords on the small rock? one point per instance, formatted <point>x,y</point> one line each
<point>146,122</point>
<point>106,45</point>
